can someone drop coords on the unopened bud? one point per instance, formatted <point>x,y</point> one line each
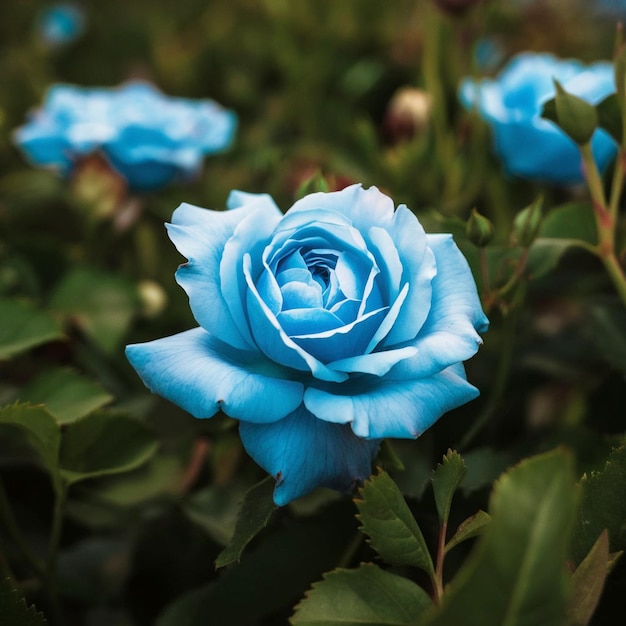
<point>479,229</point>
<point>152,296</point>
<point>312,184</point>
<point>574,116</point>
<point>527,223</point>
<point>407,115</point>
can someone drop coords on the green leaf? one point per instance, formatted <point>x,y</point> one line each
<point>255,513</point>
<point>22,327</point>
<point>471,527</point>
<point>367,595</point>
<point>516,576</point>
<point>102,444</point>
<point>386,519</point>
<point>13,608</point>
<point>563,228</point>
<point>588,583</point>
<point>67,394</point>
<point>603,505</point>
<point>446,480</point>
<point>608,321</point>
<point>100,304</point>
<point>610,116</point>
<point>38,429</point>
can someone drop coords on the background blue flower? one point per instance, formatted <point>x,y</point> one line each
<point>528,145</point>
<point>149,138</point>
<point>323,331</point>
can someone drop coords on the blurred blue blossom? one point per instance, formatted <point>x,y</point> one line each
<point>149,138</point>
<point>60,24</point>
<point>528,145</point>
<point>616,8</point>
<point>323,331</point>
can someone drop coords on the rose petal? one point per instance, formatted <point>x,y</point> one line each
<point>200,235</point>
<point>391,408</point>
<point>449,334</point>
<point>202,375</point>
<point>376,363</point>
<point>303,453</point>
<point>272,339</point>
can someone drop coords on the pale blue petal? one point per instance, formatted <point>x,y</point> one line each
<point>200,235</point>
<point>302,453</point>
<point>391,408</point>
<point>376,363</point>
<point>250,238</point>
<point>272,339</point>
<point>449,335</point>
<point>202,375</point>
<point>238,199</point>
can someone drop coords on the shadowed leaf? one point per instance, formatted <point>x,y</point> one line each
<point>13,608</point>
<point>367,595</point>
<point>446,480</point>
<point>254,515</point>
<point>387,521</point>
<point>471,527</point>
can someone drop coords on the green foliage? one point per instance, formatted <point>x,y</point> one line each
<point>471,527</point>
<point>367,595</point>
<point>67,394</point>
<point>23,326</point>
<point>100,304</point>
<point>39,431</point>
<point>255,513</point>
<point>608,321</point>
<point>588,582</point>
<point>13,609</point>
<point>572,114</point>
<point>602,506</point>
<point>517,569</point>
<point>102,444</point>
<point>387,521</point>
<point>446,480</point>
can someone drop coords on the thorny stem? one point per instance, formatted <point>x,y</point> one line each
<point>605,217</point>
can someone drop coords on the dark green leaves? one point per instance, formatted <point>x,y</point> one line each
<point>67,394</point>
<point>588,582</point>
<point>97,445</point>
<point>388,522</point>
<point>23,326</point>
<point>367,595</point>
<point>471,527</point>
<point>517,569</point>
<point>103,444</point>
<point>100,304</point>
<point>254,515</point>
<point>603,505</point>
<point>13,608</point>
<point>446,480</point>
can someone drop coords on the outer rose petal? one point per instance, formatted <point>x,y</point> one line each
<point>392,408</point>
<point>449,334</point>
<point>200,235</point>
<point>202,375</point>
<point>303,452</point>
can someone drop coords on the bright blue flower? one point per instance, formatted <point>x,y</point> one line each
<point>323,331</point>
<point>60,24</point>
<point>530,146</point>
<point>149,138</point>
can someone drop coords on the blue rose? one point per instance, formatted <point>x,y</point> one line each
<point>530,146</point>
<point>323,331</point>
<point>60,24</point>
<point>149,138</point>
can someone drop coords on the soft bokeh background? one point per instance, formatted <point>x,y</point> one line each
<point>311,82</point>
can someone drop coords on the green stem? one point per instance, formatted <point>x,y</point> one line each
<point>10,523</point>
<point>437,579</point>
<point>605,218</point>
<point>617,185</point>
